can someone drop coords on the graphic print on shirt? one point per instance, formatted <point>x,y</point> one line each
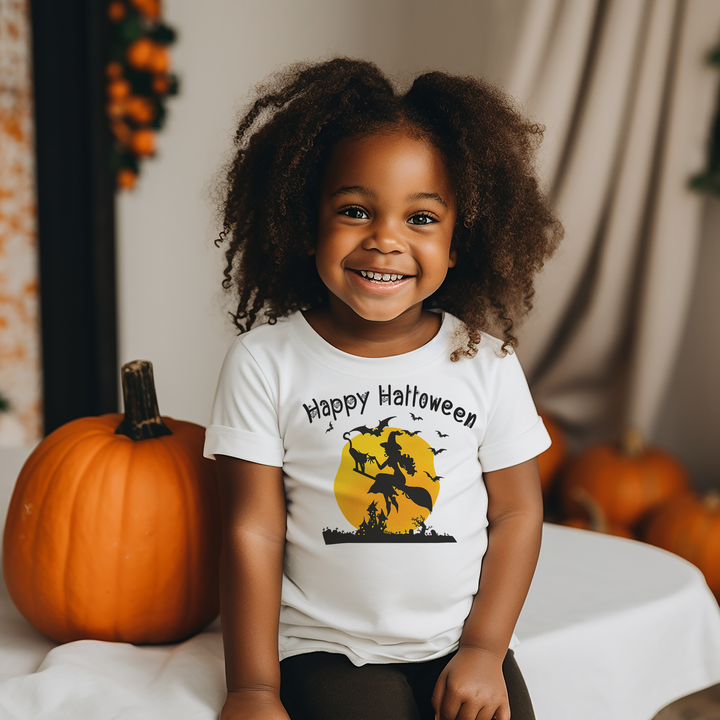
<point>386,486</point>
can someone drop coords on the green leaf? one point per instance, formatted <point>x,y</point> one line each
<point>163,35</point>
<point>130,29</point>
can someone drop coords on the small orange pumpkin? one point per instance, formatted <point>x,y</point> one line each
<point>626,481</point>
<point>595,519</point>
<point>113,528</point>
<point>689,526</point>
<point>552,459</point>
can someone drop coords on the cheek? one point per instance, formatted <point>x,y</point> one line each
<point>326,260</point>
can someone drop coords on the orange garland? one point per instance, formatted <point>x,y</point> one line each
<point>138,82</point>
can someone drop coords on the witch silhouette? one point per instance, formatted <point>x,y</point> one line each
<point>389,484</point>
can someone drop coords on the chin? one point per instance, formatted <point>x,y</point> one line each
<point>379,316</point>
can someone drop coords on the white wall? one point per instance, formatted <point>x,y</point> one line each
<point>171,310</point>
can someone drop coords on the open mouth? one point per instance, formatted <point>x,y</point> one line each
<point>381,278</point>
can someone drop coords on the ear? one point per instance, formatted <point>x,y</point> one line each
<point>452,258</point>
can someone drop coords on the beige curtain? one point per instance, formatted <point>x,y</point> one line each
<point>627,97</point>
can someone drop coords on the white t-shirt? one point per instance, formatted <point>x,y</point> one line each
<point>382,461</point>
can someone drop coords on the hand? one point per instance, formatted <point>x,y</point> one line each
<point>253,704</point>
<point>471,687</point>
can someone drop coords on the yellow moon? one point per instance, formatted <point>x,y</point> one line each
<point>364,457</point>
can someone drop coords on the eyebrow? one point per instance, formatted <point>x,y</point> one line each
<point>362,190</point>
<point>354,189</point>
<point>427,196</point>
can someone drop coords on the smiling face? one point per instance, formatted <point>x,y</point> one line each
<point>386,219</point>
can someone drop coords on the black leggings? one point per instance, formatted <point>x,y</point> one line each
<point>327,686</point>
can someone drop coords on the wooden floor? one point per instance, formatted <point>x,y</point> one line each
<point>702,705</point>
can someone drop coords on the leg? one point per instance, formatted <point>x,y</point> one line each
<point>327,686</point>
<point>520,704</point>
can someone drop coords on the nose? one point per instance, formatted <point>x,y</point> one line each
<point>384,236</point>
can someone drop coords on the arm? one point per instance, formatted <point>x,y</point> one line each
<point>253,520</point>
<point>473,679</point>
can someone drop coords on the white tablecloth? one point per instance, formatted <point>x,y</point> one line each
<point>612,630</point>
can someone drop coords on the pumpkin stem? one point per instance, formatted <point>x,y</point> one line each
<point>631,443</point>
<point>142,419</point>
<point>596,517</point>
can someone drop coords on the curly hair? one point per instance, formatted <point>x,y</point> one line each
<point>504,229</point>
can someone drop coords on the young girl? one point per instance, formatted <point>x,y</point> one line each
<point>375,446</point>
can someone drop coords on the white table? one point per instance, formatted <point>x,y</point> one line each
<point>614,629</point>
<point>611,629</point>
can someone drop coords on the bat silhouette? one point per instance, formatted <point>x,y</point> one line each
<point>441,434</point>
<point>376,431</point>
<point>434,479</point>
<point>415,417</point>
<point>330,427</point>
<point>437,452</point>
<point>413,433</point>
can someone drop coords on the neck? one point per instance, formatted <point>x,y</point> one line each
<point>340,326</point>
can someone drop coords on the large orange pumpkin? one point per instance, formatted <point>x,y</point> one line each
<point>552,459</point>
<point>626,481</point>
<point>689,526</point>
<point>113,529</point>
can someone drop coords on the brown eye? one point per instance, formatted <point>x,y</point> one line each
<point>357,213</point>
<point>421,219</point>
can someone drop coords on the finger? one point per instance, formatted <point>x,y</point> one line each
<point>503,711</point>
<point>450,708</point>
<point>469,711</point>
<point>486,713</point>
<point>438,694</point>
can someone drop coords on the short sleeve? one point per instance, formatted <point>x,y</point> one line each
<point>515,433</point>
<point>244,420</point>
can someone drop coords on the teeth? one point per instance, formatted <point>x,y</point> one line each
<point>381,277</point>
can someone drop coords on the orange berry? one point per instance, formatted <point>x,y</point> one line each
<point>118,89</point>
<point>149,8</point>
<point>159,61</point>
<point>121,131</point>
<point>116,11</point>
<point>126,178</point>
<point>139,53</point>
<point>114,70</point>
<point>153,9</point>
<point>140,109</point>
<point>115,109</point>
<point>161,84</point>
<point>143,142</point>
